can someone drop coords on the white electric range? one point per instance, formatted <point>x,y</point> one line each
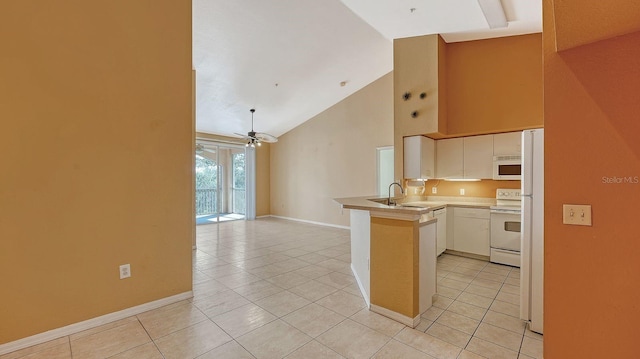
<point>506,227</point>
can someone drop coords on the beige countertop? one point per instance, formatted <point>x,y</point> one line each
<point>423,205</point>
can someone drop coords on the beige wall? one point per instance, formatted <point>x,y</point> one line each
<point>263,170</point>
<point>332,155</point>
<point>96,153</point>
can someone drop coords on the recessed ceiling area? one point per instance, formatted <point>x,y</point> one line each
<point>293,59</point>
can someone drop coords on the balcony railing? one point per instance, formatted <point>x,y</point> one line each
<point>206,201</point>
<point>239,202</point>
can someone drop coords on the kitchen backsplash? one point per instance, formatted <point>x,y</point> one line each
<point>483,188</point>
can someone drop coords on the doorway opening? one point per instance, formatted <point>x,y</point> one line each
<point>385,169</point>
<point>220,187</point>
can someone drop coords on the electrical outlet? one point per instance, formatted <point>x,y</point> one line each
<point>125,271</point>
<point>462,191</point>
<point>434,190</point>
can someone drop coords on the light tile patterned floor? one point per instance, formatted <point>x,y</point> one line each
<point>273,288</point>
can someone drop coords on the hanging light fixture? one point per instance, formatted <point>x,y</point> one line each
<point>255,138</point>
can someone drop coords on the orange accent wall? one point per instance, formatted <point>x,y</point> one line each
<point>494,85</point>
<point>395,265</point>
<point>96,156</point>
<point>592,127</point>
<point>580,22</point>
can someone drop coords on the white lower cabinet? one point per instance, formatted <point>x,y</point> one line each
<point>471,230</point>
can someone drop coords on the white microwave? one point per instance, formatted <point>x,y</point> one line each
<point>507,167</point>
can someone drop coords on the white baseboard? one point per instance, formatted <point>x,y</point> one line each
<point>312,222</point>
<point>362,291</point>
<point>90,323</point>
<point>408,321</point>
<point>265,216</point>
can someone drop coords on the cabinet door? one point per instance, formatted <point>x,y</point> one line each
<point>478,157</point>
<point>507,144</point>
<point>419,153</point>
<point>471,235</point>
<point>471,231</point>
<point>449,158</point>
<point>412,157</point>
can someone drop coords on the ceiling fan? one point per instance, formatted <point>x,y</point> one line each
<point>256,138</point>
<point>200,149</point>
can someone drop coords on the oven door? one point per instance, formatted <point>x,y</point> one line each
<point>505,230</point>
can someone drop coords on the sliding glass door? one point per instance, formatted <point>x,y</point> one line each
<point>220,182</point>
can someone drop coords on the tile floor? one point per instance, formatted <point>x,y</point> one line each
<point>272,288</point>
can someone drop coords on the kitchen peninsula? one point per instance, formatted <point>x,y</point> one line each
<point>393,256</point>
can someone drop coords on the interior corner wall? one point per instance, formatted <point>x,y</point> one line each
<point>332,155</point>
<point>96,155</point>
<point>494,85</point>
<point>592,157</point>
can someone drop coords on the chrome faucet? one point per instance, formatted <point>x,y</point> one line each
<point>389,201</point>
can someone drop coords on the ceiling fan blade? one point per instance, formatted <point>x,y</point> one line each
<point>241,135</point>
<point>265,137</point>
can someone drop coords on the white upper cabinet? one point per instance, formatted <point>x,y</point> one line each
<point>507,144</point>
<point>478,157</point>
<point>465,157</point>
<point>450,158</point>
<point>419,157</point>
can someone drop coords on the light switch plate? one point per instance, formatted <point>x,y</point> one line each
<point>576,214</point>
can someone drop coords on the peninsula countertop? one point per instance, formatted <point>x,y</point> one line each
<point>412,205</point>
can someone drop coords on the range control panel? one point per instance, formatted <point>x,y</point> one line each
<point>508,194</point>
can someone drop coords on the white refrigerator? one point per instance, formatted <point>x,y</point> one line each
<point>532,233</point>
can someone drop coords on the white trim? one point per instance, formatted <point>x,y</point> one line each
<point>265,216</point>
<point>312,222</point>
<point>90,323</point>
<point>362,291</point>
<point>410,322</point>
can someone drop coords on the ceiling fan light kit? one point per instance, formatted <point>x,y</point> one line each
<point>256,138</point>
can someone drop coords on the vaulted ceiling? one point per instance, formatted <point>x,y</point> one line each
<point>292,59</point>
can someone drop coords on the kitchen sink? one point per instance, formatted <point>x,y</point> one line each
<point>411,205</point>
